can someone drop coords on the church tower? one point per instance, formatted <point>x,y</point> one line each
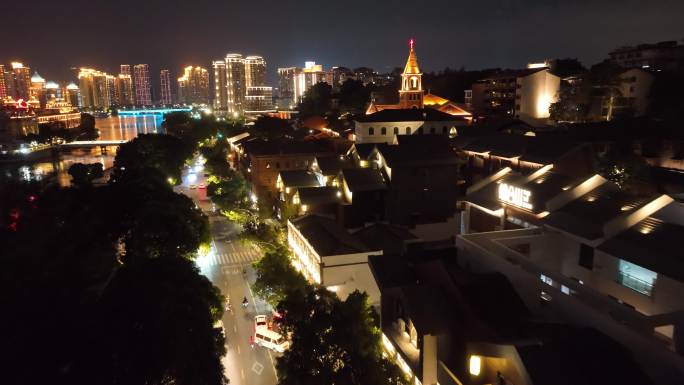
<point>411,93</point>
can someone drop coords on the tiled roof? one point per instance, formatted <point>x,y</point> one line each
<point>299,178</point>
<point>363,179</point>
<point>327,237</point>
<point>409,115</point>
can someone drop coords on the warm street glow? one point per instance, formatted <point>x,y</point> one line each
<point>475,365</point>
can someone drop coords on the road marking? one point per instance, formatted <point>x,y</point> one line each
<point>242,373</point>
<point>273,364</point>
<point>257,368</point>
<point>235,328</point>
<point>238,349</point>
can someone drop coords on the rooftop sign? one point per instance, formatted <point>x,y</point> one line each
<point>515,196</point>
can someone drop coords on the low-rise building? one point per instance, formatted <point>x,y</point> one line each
<point>385,126</point>
<point>328,255</point>
<point>526,94</point>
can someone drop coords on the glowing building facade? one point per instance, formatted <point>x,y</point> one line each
<point>255,71</point>
<point>220,88</point>
<point>143,86</point>
<point>165,82</point>
<point>193,86</point>
<point>95,89</point>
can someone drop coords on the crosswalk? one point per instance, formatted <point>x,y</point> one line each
<point>234,258</point>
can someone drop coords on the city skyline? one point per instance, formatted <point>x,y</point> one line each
<point>484,35</point>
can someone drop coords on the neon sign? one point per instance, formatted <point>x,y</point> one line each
<point>515,196</point>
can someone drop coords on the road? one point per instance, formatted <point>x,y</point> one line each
<point>229,268</point>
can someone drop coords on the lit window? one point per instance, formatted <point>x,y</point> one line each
<point>475,365</point>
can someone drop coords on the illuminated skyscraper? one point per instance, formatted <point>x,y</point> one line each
<point>259,100</point>
<point>143,88</point>
<point>220,88</point>
<point>286,79</point>
<point>3,83</point>
<point>235,82</point>
<point>124,90</point>
<point>193,86</point>
<point>38,88</point>
<point>255,71</point>
<point>94,87</point>
<point>19,81</point>
<point>125,69</point>
<point>311,74</point>
<point>165,81</point>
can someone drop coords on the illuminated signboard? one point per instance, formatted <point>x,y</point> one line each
<point>515,196</point>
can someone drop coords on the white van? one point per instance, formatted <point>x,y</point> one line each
<point>271,340</point>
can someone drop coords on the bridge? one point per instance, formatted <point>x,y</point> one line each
<point>155,111</point>
<point>92,143</point>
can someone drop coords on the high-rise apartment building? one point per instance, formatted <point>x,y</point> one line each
<point>125,96</point>
<point>38,88</point>
<point>143,86</point>
<point>235,82</point>
<point>3,83</point>
<point>18,81</point>
<point>286,79</point>
<point>259,100</point>
<point>255,71</point>
<point>165,81</point>
<point>193,86</point>
<point>95,89</point>
<point>311,74</point>
<point>220,88</point>
<point>125,69</point>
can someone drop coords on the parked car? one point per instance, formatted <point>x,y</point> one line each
<point>271,340</point>
<point>260,322</point>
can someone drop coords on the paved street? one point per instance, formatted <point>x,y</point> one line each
<point>228,266</point>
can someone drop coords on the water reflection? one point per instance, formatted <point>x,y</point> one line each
<point>111,128</point>
<point>128,127</point>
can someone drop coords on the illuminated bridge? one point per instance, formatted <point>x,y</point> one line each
<point>93,143</point>
<point>156,111</point>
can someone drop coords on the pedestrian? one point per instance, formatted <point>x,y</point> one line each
<point>500,380</point>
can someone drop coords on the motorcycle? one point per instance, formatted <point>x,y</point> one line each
<point>245,303</point>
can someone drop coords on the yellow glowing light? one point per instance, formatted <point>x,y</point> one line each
<point>475,365</point>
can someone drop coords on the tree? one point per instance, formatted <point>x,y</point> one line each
<point>567,67</point>
<point>354,96</point>
<point>271,128</point>
<point>87,129</point>
<point>230,192</point>
<point>84,174</point>
<point>163,152</point>
<point>276,276</point>
<point>620,165</point>
<point>317,100</point>
<point>155,326</point>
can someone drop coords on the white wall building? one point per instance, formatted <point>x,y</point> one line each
<point>326,254</point>
<point>534,95</point>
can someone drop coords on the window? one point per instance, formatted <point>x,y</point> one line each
<point>383,131</point>
<point>268,165</point>
<point>278,165</point>
<point>586,256</point>
<point>444,129</point>
<point>371,131</point>
<point>636,277</point>
<point>420,130</point>
<point>396,130</point>
<point>432,129</point>
<point>408,130</point>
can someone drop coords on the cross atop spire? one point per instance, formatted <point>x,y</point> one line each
<point>412,62</point>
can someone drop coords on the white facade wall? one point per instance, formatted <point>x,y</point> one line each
<point>362,130</point>
<point>587,304</point>
<point>534,96</point>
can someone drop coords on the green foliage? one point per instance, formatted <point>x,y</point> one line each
<point>621,166</point>
<point>271,128</point>
<point>165,304</point>
<point>165,153</point>
<point>354,96</point>
<point>317,100</point>
<point>229,193</point>
<point>276,277</point>
<point>83,174</point>
<point>333,341</point>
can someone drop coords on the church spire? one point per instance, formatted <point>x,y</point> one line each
<point>412,61</point>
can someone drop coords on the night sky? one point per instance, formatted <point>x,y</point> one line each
<point>53,36</point>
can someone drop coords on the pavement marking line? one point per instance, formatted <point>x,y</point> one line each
<point>242,373</point>
<point>257,368</point>
<point>273,364</point>
<point>235,328</point>
<point>238,349</point>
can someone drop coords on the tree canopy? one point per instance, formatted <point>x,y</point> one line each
<point>317,100</point>
<point>84,174</point>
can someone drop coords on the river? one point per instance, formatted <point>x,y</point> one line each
<point>111,128</point>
